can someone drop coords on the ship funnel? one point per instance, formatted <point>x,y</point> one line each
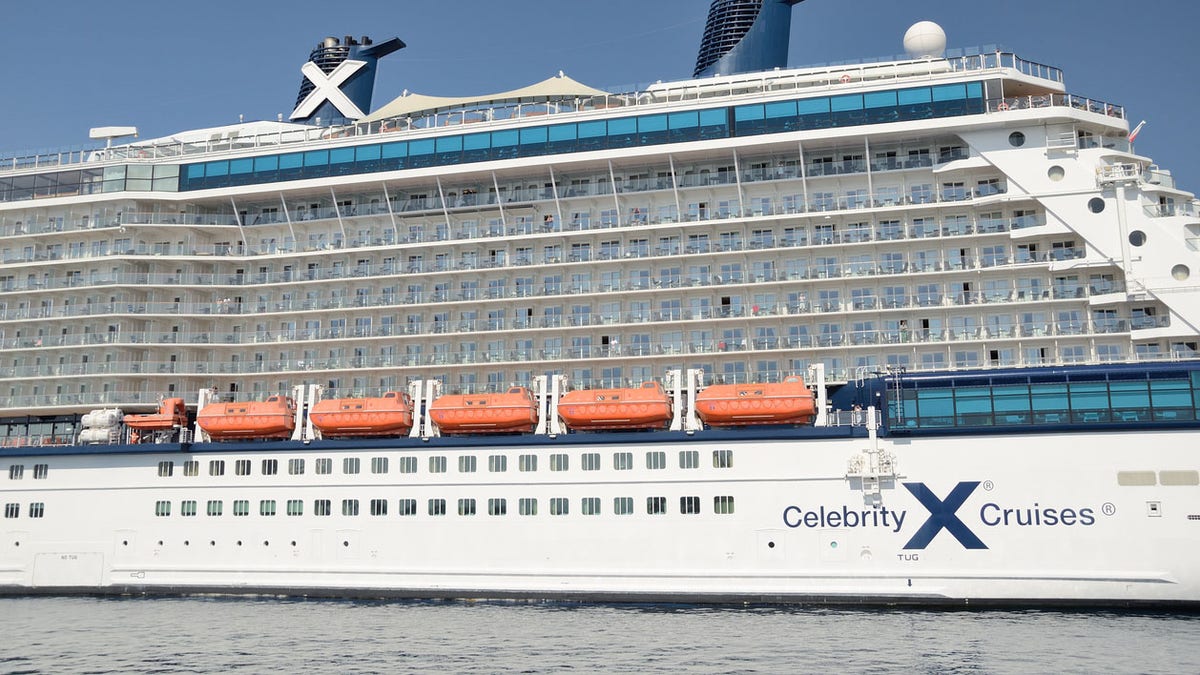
<point>745,36</point>
<point>339,79</point>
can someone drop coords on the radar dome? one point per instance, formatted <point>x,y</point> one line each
<point>925,40</point>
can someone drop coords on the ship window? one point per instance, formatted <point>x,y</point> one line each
<point>266,507</point>
<point>351,465</point>
<point>40,471</point>
<point>322,507</point>
<point>497,507</point>
<point>481,141</point>
<point>296,467</point>
<point>161,508</point>
<point>880,99</point>
<point>293,160</point>
<point>437,507</point>
<point>527,463</point>
<point>241,507</point>
<point>689,120</point>
<point>379,465</point>
<point>16,471</point>
<point>242,467</point>
<point>187,507</point>
<point>406,507</point>
<point>466,507</point>
<point>12,510</point>
<point>846,103</point>
<point>622,461</point>
<point>379,507</point>
<point>622,506</point>
<point>723,504</point>
<point>270,467</point>
<point>316,158</point>
<point>689,505</point>
<point>722,459</point>
<point>216,467</point>
<point>295,507</point>
<point>746,113</point>
<point>656,460</point>
<point>589,506</point>
<point>240,166</point>
<point>269,163</point>
<point>527,506</point>
<point>324,465</point>
<point>689,459</point>
<point>191,468</point>
<point>560,462</point>
<point>341,155</point>
<point>656,505</point>
<point>215,507</point>
<point>590,461</point>
<point>394,150</point>
<point>349,507</point>
<point>166,469</point>
<point>949,92</point>
<point>437,464</point>
<point>407,464</point>
<point>216,169</point>
<point>506,139</point>
<point>38,509</point>
<point>466,464</point>
<point>560,506</point>
<point>497,463</point>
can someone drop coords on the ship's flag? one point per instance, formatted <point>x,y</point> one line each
<point>1136,130</point>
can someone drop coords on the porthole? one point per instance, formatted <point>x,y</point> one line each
<point>293,543</point>
<point>1056,173</point>
<point>1016,139</point>
<point>1137,237</point>
<point>125,542</point>
<point>346,543</point>
<point>1095,205</point>
<point>186,542</point>
<point>266,543</point>
<point>1180,272</point>
<point>160,542</point>
<point>770,544</point>
<point>239,543</point>
<point>212,542</point>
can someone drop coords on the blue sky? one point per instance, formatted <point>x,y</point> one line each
<point>170,66</point>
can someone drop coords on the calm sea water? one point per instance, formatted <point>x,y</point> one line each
<point>170,635</point>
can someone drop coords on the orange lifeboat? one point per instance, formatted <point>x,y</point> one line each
<point>274,418</point>
<point>387,415</point>
<point>511,412</point>
<point>646,407</point>
<point>172,414</point>
<point>731,405</point>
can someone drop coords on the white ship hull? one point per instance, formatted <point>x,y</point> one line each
<point>786,540</point>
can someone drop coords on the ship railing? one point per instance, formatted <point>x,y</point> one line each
<point>849,418</point>
<point>1189,209</point>
<point>1050,100</point>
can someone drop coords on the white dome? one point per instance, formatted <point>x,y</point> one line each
<point>925,39</point>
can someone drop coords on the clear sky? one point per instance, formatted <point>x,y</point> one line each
<point>167,66</point>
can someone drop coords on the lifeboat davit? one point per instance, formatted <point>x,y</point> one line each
<point>387,415</point>
<point>274,418</point>
<point>172,414</point>
<point>731,405</point>
<point>645,407</point>
<point>511,412</point>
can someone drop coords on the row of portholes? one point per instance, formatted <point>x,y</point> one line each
<point>1179,272</point>
<point>213,542</point>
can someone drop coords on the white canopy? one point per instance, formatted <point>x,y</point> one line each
<point>555,88</point>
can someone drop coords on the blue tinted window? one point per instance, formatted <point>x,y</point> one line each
<point>813,106</point>
<point>652,123</point>
<point>316,158</point>
<point>424,147</point>
<point>684,120</point>
<point>195,171</point>
<point>533,136</point>
<point>710,118</point>
<point>781,109</point>
<point>477,141</point>
<point>245,165</point>
<point>504,139</point>
<point>974,89</point>
<point>341,155</point>
<point>592,129</point>
<point>914,96</point>
<point>625,125</point>
<point>847,102</point>
<point>880,99</point>
<point>266,163</point>
<point>394,150</point>
<point>291,161</point>
<point>949,92</point>
<point>366,153</point>
<point>449,144</point>
<point>744,113</point>
<point>216,169</point>
<point>1089,396</point>
<point>973,400</point>
<point>562,132</point>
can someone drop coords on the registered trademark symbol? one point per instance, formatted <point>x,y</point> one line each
<point>988,485</point>
<point>1108,508</point>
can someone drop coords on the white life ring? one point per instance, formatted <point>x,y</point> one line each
<point>1002,107</point>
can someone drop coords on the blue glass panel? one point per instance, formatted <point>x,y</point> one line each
<point>744,113</point>
<point>684,120</point>
<point>195,171</point>
<point>812,106</point>
<point>974,89</point>
<point>216,169</point>
<point>652,123</point>
<point>620,127</point>
<point>1011,398</point>
<point>846,102</point>
<point>880,99</point>
<point>781,109</point>
<point>394,150</point>
<point>562,132</point>
<point>533,136</point>
<point>424,147</point>
<point>449,144</point>
<point>973,400</point>
<point>504,139</point>
<point>341,155</point>
<point>316,158</point>
<point>913,96</point>
<point>710,118</point>
<point>477,141</point>
<point>592,129</point>
<point>949,92</point>
<point>269,163</point>
<point>291,161</point>
<point>366,153</point>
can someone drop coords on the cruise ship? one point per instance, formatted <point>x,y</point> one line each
<point>917,331</point>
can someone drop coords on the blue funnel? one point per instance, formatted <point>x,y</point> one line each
<point>745,36</point>
<point>339,79</point>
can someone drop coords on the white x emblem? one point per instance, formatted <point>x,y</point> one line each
<point>328,88</point>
